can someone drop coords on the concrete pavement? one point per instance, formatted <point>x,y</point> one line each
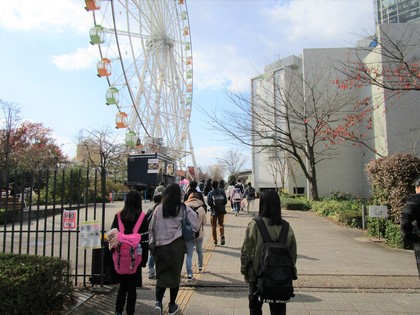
<point>340,270</point>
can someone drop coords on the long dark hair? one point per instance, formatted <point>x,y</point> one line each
<point>132,206</point>
<point>171,201</point>
<point>222,184</point>
<point>270,207</point>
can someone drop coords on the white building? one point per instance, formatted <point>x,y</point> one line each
<point>395,126</point>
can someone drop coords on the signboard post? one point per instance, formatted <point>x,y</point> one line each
<point>378,212</point>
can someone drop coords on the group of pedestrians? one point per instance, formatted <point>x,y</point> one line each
<point>241,198</point>
<point>162,237</point>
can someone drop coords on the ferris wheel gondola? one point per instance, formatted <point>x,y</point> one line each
<point>145,55</point>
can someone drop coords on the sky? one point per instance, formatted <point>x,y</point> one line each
<point>48,67</point>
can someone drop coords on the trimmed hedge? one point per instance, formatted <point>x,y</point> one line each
<point>294,202</point>
<point>33,285</point>
<point>348,212</point>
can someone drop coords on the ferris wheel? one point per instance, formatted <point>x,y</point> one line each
<point>145,55</point>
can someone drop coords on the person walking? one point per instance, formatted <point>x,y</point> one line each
<point>207,187</point>
<point>236,199</point>
<point>168,246</point>
<point>159,189</point>
<point>240,186</point>
<point>216,199</point>
<point>127,283</point>
<point>194,202</point>
<point>151,262</point>
<point>270,212</point>
<point>229,191</point>
<point>201,185</point>
<point>192,187</point>
<point>249,195</point>
<point>410,221</point>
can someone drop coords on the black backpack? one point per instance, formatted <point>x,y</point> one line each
<point>251,192</point>
<point>218,203</point>
<point>275,270</point>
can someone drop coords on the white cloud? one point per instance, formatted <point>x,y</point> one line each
<point>45,15</point>
<point>240,48</point>
<point>206,156</point>
<point>226,67</point>
<point>83,58</point>
<point>321,21</point>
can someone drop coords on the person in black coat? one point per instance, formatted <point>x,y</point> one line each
<point>410,221</point>
<point>128,283</point>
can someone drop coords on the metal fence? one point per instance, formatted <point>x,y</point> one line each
<point>31,216</point>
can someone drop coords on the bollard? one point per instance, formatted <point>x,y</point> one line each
<point>364,217</point>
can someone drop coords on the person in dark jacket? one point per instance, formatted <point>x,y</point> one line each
<point>217,212</point>
<point>270,211</point>
<point>128,283</point>
<point>207,187</point>
<point>410,221</point>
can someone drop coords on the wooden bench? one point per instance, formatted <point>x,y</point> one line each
<point>11,202</point>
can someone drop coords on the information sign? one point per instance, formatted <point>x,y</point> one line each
<point>378,211</point>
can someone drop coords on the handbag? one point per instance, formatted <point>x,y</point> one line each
<point>187,232</point>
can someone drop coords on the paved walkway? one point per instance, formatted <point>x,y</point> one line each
<point>340,270</point>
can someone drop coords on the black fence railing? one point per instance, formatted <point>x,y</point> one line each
<point>32,209</point>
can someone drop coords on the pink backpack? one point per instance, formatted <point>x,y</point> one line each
<point>237,196</point>
<point>128,253</point>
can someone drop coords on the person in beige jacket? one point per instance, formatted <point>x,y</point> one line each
<point>270,211</point>
<point>194,202</point>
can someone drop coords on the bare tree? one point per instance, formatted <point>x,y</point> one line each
<point>101,148</point>
<point>233,161</point>
<point>390,68</point>
<point>11,121</point>
<point>216,172</point>
<point>277,165</point>
<point>394,64</point>
<point>292,116</point>
<point>26,146</point>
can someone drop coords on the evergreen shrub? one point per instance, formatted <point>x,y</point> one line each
<point>295,203</point>
<point>33,285</point>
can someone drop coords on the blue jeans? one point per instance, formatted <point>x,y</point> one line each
<point>236,207</point>
<point>151,265</point>
<point>190,250</point>
<point>188,262</point>
<point>199,250</point>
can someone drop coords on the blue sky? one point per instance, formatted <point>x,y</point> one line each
<point>48,67</point>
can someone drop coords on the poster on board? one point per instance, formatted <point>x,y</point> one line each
<point>90,234</point>
<point>152,166</point>
<point>69,220</point>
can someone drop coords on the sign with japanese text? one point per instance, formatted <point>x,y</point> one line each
<point>378,211</point>
<point>69,220</point>
<point>90,234</point>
